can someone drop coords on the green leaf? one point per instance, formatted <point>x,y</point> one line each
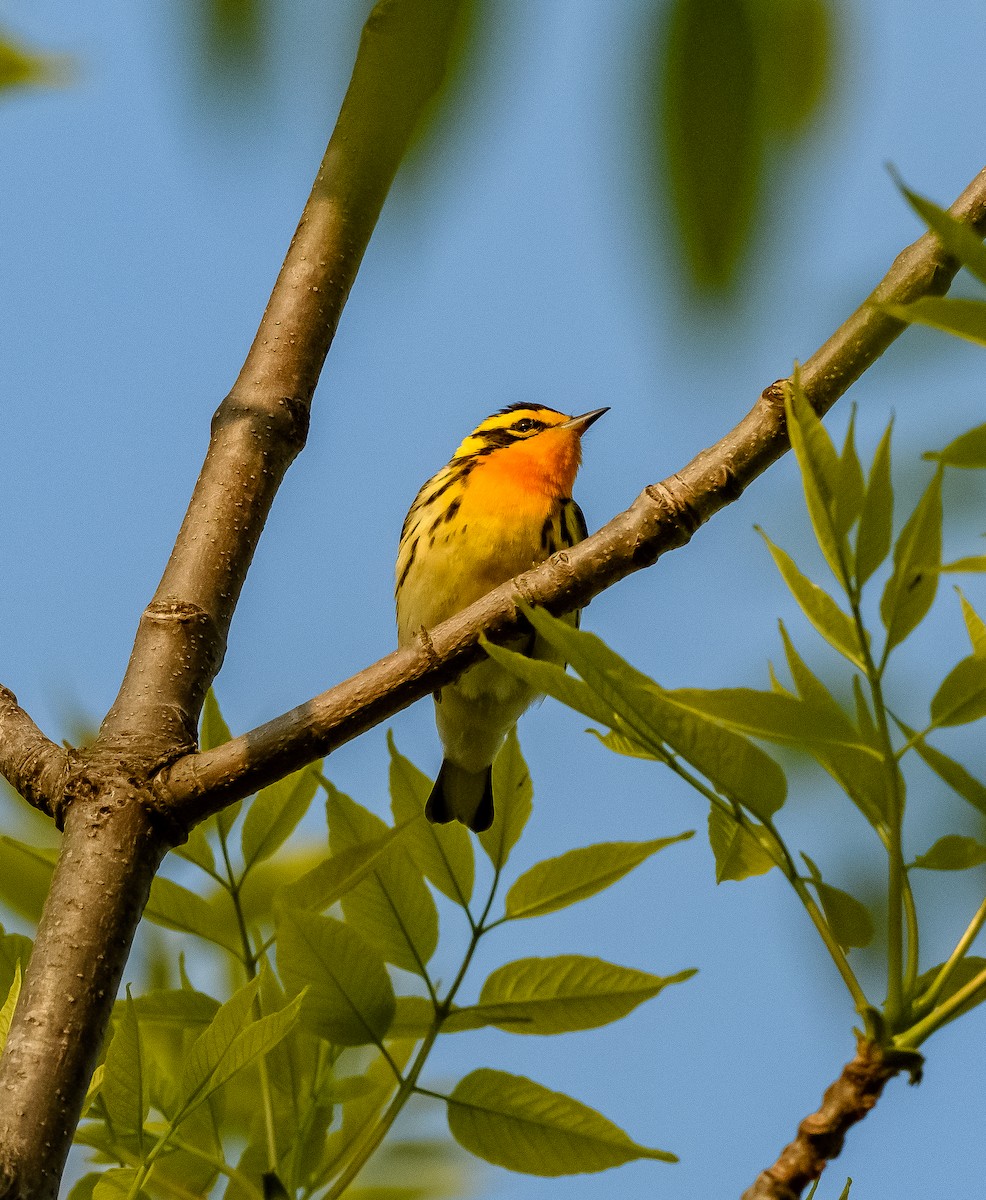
<point>350,999</point>
<point>911,588</point>
<point>976,564</point>
<point>875,533</point>
<point>514,794</point>
<point>25,876</point>
<point>175,907</point>
<point>975,626</point>
<point>967,450</point>
<point>254,1042</point>
<point>957,238</point>
<point>213,732</point>
<point>21,67</point>
<point>212,1045</point>
<point>948,770</point>
<point>443,852</point>
<point>117,1184</point>
<point>961,697</point>
<point>952,853</point>
<point>620,743</point>
<point>811,689</point>
<point>965,972</point>
<point>631,703</point>
<point>712,122</point>
<point>820,469</point>
<point>516,1123</point>
<point>83,1188</point>
<point>392,907</point>
<point>15,950</point>
<point>737,851</point>
<point>961,318</point>
<point>178,1008</point>
<point>564,994</point>
<point>849,921</point>
<point>197,849</point>
<point>7,1011</point>
<point>850,486</point>
<point>124,1087</point>
<point>274,814</point>
<point>328,881</point>
<point>578,874</point>
<point>818,606</point>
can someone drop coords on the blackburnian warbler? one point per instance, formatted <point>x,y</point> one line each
<point>502,505</point>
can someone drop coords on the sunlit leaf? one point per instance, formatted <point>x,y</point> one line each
<point>274,814</point>
<point>818,606</point>
<point>911,588</point>
<point>952,853</point>
<point>350,999</point>
<point>967,450</point>
<point>578,874</point>
<point>965,971</point>
<point>9,1004</point>
<point>875,533</point>
<point>117,1184</point>
<point>849,920</point>
<point>948,770</point>
<point>957,238</point>
<point>975,626</point>
<point>175,907</point>
<point>850,487</point>
<point>443,852</point>
<point>514,793</point>
<point>518,1124</point>
<point>961,697</point>
<point>737,851</point>
<point>975,564</point>
<point>124,1087</point>
<point>959,317</point>
<point>214,1042</point>
<point>328,881</point>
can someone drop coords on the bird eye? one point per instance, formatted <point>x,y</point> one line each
<point>526,425</point>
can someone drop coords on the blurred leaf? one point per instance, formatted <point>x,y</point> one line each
<point>952,853</point>
<point>957,238</point>
<point>25,876</point>
<point>83,1188</point>
<point>514,794</point>
<point>975,626</point>
<point>796,47</point>
<point>518,1124</point>
<point>967,450</point>
<point>864,717</point>
<point>443,852</point>
<point>948,770</point>
<point>233,37</point>
<point>910,590</point>
<point>578,874</point>
<point>197,849</point>
<point>818,606</point>
<point>850,486</point>
<point>350,999</point>
<point>737,852</point>
<point>968,566</point>
<point>15,950</point>
<point>213,732</point>
<point>178,1007</point>
<point>566,993</point>
<point>711,123</point>
<point>274,814</point>
<point>392,907</point>
<point>962,318</point>
<point>21,67</point>
<point>965,972</point>
<point>9,1004</point>
<point>820,470</point>
<point>875,534</point>
<point>961,697</point>
<point>328,881</point>
<point>117,1184</point>
<point>848,919</point>
<point>175,907</point>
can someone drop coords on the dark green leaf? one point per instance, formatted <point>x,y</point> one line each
<point>911,588</point>
<point>737,851</point>
<point>712,122</point>
<point>967,450</point>
<point>25,876</point>
<point>578,874</point>
<point>849,920</point>
<point>197,849</point>
<point>175,907</point>
<point>961,698</point>
<point>818,606</point>
<point>957,238</point>
<point>875,532</point>
<point>350,999</point>
<point>518,1124</point>
<point>952,853</point>
<point>564,994</point>
<point>514,794</point>
<point>965,972</point>
<point>274,814</point>
<point>392,906</point>
<point>443,852</point>
<point>961,318</point>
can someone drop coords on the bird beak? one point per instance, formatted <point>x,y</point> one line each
<point>581,424</point>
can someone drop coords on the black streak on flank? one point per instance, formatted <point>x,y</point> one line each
<point>453,508</point>
<point>547,541</point>
<point>408,564</point>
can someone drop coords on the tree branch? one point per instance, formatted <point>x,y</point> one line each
<point>663,517</point>
<point>821,1135</point>
<point>29,761</point>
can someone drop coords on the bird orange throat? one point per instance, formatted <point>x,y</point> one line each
<point>539,468</point>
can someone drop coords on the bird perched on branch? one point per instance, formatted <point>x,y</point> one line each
<point>501,506</point>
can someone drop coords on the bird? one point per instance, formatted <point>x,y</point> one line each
<point>501,505</point>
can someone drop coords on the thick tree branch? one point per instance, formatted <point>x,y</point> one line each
<point>821,1135</point>
<point>663,516</point>
<point>262,424</point>
<point>31,763</point>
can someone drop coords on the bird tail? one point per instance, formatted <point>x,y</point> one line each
<point>460,795</point>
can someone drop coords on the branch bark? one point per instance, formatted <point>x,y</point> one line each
<point>663,517</point>
<point>821,1135</point>
<point>31,763</point>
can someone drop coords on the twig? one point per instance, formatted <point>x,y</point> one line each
<point>29,761</point>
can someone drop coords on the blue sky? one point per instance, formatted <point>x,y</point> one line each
<point>140,230</point>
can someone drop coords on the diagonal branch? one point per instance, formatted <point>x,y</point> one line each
<point>663,517</point>
<point>262,424</point>
<point>29,761</point>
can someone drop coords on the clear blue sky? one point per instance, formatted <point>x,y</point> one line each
<point>140,230</point>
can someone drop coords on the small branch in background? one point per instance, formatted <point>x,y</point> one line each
<point>30,762</point>
<point>821,1135</point>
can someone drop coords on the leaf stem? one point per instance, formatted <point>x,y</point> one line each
<point>928,999</point>
<point>919,1032</point>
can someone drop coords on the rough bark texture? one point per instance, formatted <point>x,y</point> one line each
<point>821,1135</point>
